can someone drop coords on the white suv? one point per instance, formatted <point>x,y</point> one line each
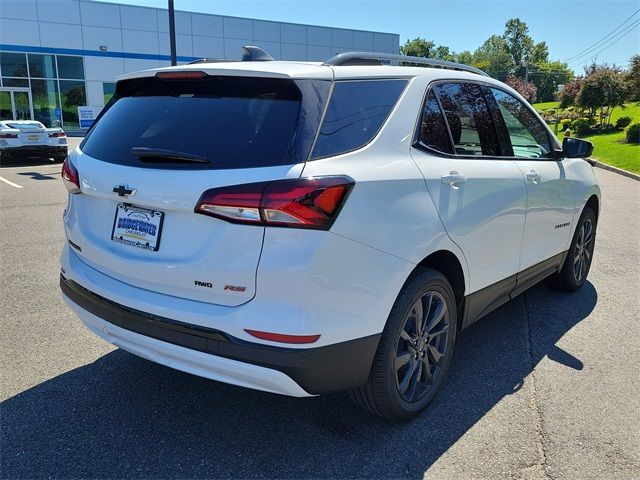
<point>304,228</point>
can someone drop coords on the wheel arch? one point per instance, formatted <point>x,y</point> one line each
<point>448,264</point>
<point>594,204</point>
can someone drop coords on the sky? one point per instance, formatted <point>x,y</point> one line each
<point>568,26</point>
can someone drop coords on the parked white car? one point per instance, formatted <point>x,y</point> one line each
<point>304,228</point>
<point>25,139</point>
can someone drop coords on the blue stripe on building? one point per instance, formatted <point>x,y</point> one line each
<point>90,53</point>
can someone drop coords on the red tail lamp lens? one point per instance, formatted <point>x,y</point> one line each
<point>298,203</point>
<point>70,176</point>
<point>57,135</point>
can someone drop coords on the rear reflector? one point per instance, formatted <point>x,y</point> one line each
<point>8,135</point>
<point>57,135</point>
<point>70,176</point>
<point>185,75</point>
<point>282,338</point>
<point>300,203</point>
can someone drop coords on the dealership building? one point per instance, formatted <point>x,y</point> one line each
<point>57,55</point>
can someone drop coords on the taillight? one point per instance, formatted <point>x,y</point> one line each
<point>300,203</point>
<point>57,135</point>
<point>8,135</point>
<point>70,176</point>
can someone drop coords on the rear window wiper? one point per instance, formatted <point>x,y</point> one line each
<point>160,155</point>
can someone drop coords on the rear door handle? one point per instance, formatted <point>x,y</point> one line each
<point>533,176</point>
<point>453,178</point>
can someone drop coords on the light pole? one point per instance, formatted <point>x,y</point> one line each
<point>525,64</point>
<point>172,33</point>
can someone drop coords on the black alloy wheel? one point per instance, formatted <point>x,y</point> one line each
<point>422,345</point>
<point>583,250</point>
<point>576,266</point>
<point>415,349</point>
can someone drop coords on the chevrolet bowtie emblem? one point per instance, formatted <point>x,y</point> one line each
<point>124,191</point>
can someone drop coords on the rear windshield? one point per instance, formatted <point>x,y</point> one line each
<point>222,122</point>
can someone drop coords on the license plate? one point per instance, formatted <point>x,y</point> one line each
<point>33,138</point>
<point>137,227</point>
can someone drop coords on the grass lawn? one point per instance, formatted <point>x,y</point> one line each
<point>608,147</point>
<point>628,110</point>
<point>545,105</point>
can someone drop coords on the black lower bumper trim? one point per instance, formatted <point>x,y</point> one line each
<point>331,368</point>
<point>35,151</point>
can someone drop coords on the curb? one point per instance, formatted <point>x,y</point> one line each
<point>619,171</point>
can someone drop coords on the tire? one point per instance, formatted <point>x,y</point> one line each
<point>392,391</point>
<point>576,265</point>
<point>59,158</point>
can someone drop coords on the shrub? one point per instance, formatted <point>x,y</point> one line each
<point>527,89</point>
<point>633,133</point>
<point>581,126</point>
<point>570,92</point>
<point>623,122</point>
<point>566,124</point>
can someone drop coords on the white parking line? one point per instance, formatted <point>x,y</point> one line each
<point>10,183</point>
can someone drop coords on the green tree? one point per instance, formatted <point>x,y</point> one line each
<point>632,78</point>
<point>494,58</point>
<point>443,53</point>
<point>519,42</point>
<point>604,88</point>
<point>547,76</point>
<point>465,57</point>
<point>418,47</point>
<point>539,53</point>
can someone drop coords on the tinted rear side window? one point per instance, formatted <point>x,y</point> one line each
<point>233,122</point>
<point>433,131</point>
<point>469,119</point>
<point>356,112</point>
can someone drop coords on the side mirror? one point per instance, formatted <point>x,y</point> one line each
<point>576,148</point>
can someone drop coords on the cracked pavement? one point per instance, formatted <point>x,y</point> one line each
<point>544,387</point>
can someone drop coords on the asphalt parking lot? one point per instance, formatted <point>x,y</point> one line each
<point>545,387</point>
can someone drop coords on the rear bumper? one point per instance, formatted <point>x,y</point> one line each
<point>34,151</point>
<point>214,354</point>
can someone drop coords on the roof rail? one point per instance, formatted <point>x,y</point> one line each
<point>368,58</point>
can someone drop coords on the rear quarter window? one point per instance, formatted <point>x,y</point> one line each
<point>356,111</point>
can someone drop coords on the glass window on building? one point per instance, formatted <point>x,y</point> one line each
<point>15,82</point>
<point>23,108</point>
<point>45,100</point>
<point>108,89</point>
<point>73,95</point>
<point>42,66</point>
<point>56,83</point>
<point>6,112</point>
<point>70,67</point>
<point>13,64</point>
